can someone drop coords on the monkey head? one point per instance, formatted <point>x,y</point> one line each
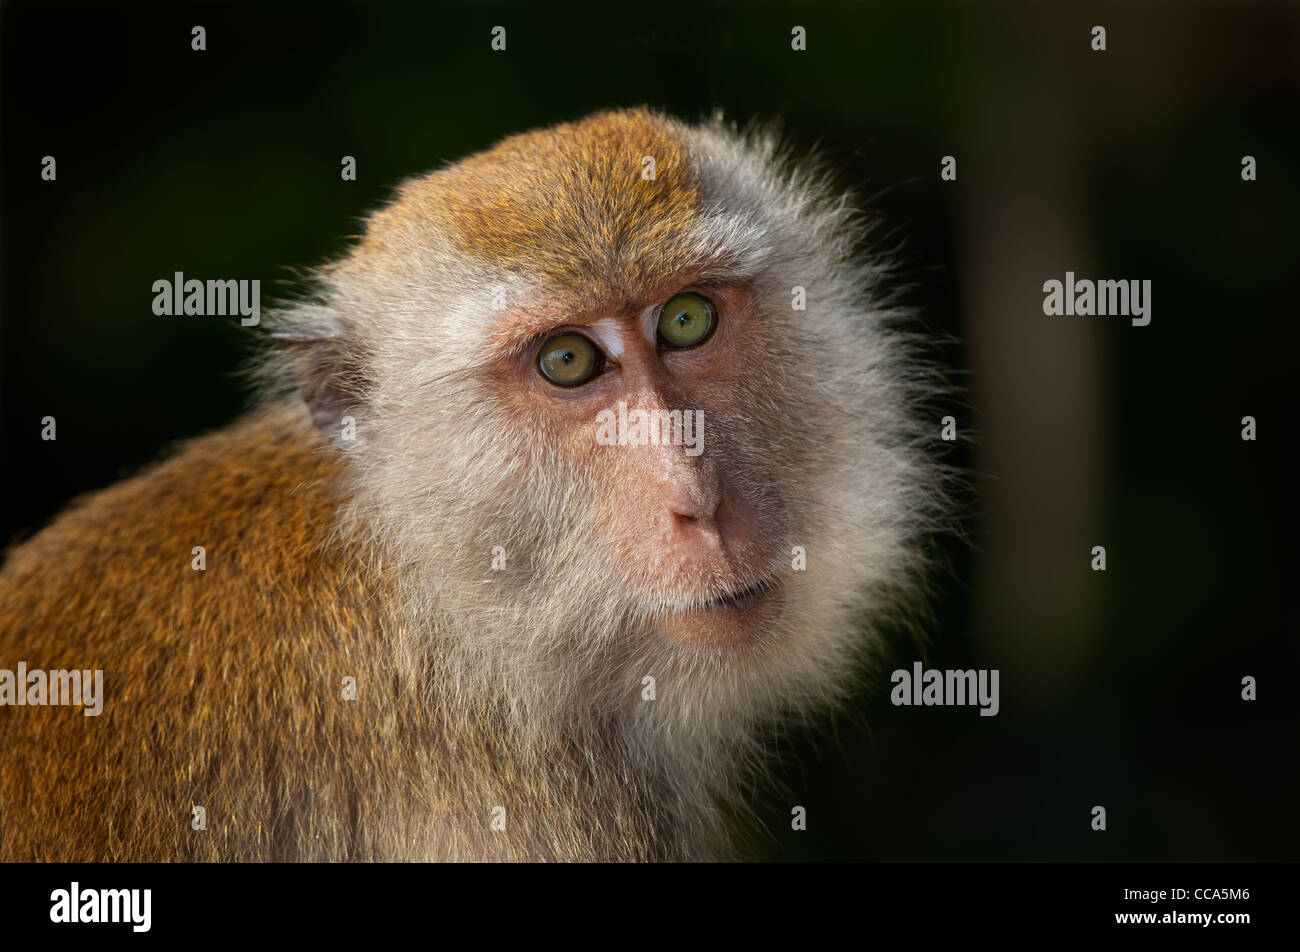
<point>627,401</point>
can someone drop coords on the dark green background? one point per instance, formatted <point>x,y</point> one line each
<point>226,164</point>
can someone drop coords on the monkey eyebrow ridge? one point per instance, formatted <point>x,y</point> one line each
<point>517,330</point>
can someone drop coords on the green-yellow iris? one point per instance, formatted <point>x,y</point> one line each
<point>687,320</point>
<point>569,360</point>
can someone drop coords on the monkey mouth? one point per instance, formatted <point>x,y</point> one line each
<point>735,619</point>
<point>738,600</point>
<point>734,602</point>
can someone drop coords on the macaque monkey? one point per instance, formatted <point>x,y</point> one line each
<point>466,591</point>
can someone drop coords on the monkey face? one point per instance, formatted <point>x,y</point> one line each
<point>647,402</point>
<point>626,400</point>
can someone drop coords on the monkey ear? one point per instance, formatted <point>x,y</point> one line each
<point>329,371</point>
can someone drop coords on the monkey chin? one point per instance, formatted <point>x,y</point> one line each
<point>729,623</point>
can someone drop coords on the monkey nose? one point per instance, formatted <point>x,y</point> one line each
<point>691,517</point>
<point>689,542</point>
<point>691,503</point>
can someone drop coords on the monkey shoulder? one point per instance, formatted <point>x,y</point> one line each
<point>211,592</point>
<point>227,528</point>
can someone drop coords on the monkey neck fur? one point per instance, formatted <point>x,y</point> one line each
<point>546,711</point>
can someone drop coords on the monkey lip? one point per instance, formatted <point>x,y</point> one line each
<point>733,620</point>
<point>737,600</point>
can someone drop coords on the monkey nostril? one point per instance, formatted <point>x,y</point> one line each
<point>693,527</point>
<point>691,509</point>
<point>689,497</point>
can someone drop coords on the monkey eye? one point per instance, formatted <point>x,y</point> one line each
<point>687,320</point>
<point>569,360</point>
